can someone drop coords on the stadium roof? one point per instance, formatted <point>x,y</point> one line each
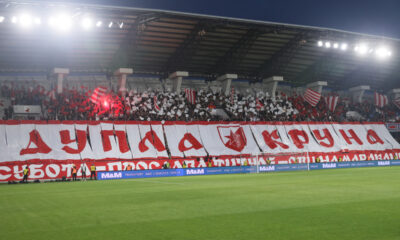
<point>160,42</point>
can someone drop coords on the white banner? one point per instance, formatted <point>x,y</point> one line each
<point>193,149</point>
<point>174,133</point>
<point>301,138</point>
<point>18,139</point>
<point>134,139</point>
<point>326,137</point>
<point>56,137</point>
<point>121,142</point>
<point>83,146</point>
<point>184,140</point>
<point>382,131</point>
<point>4,148</point>
<point>228,139</point>
<point>269,139</point>
<point>32,140</point>
<point>147,141</point>
<point>158,141</point>
<point>96,141</point>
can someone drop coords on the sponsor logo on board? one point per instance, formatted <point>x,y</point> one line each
<point>115,175</point>
<point>383,163</point>
<point>195,172</point>
<point>329,165</point>
<point>267,168</point>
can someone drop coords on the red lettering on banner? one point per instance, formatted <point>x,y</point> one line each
<point>152,137</point>
<point>192,140</point>
<point>41,146</point>
<point>66,139</point>
<point>105,137</point>
<point>296,134</point>
<point>121,136</point>
<point>353,135</point>
<point>122,141</point>
<point>268,138</point>
<point>7,172</point>
<point>373,137</point>
<point>48,170</point>
<point>327,135</point>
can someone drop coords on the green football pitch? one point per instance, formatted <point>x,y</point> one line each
<point>359,203</point>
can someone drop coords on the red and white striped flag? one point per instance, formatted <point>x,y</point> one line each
<point>51,94</point>
<point>380,100</point>
<point>397,102</point>
<point>190,95</point>
<point>155,103</point>
<point>312,97</point>
<point>97,94</point>
<point>331,102</point>
<point>259,104</point>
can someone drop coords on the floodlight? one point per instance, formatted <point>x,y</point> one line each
<point>2,19</point>
<point>336,45</point>
<point>383,52</point>
<point>14,19</point>
<point>25,20</point>
<point>87,23</point>
<point>343,46</point>
<point>362,49</point>
<point>121,24</point>
<point>110,24</point>
<point>320,43</point>
<point>328,44</point>
<point>99,23</point>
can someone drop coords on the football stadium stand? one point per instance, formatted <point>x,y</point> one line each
<point>202,105</point>
<point>117,87</point>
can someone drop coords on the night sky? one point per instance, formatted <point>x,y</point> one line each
<point>380,18</point>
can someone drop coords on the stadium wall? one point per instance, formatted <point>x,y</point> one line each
<point>52,148</point>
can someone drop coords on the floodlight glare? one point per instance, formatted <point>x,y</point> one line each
<point>14,19</point>
<point>110,24</point>
<point>1,19</point>
<point>382,52</point>
<point>320,43</point>
<point>25,20</point>
<point>99,23</point>
<point>336,45</point>
<point>121,24</point>
<point>86,23</point>
<point>362,49</point>
<point>327,44</point>
<point>37,21</point>
<point>52,21</point>
<point>343,46</point>
<point>61,22</point>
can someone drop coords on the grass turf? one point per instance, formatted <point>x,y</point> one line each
<point>328,204</point>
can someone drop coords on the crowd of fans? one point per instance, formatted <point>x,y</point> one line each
<point>77,104</point>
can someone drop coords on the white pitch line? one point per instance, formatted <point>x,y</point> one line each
<point>153,181</point>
